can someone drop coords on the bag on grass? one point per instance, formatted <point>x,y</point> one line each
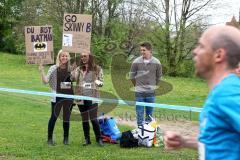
<point>127,140</point>
<point>108,127</point>
<point>108,139</point>
<point>146,135</point>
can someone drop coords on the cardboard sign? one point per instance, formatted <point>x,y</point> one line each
<point>77,29</point>
<point>39,44</point>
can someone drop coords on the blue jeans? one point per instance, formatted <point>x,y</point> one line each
<point>144,97</point>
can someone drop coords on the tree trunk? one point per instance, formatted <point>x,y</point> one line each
<point>82,9</point>
<point>168,47</point>
<point>112,5</point>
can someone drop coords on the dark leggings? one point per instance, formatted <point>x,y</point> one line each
<point>56,108</point>
<point>89,112</point>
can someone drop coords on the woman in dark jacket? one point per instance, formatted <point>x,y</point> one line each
<point>58,78</point>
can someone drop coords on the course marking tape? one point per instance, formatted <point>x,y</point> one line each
<point>105,100</point>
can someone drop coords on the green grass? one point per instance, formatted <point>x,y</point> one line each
<point>24,118</point>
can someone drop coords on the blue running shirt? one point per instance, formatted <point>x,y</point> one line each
<point>219,137</point>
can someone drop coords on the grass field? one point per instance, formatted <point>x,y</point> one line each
<point>24,118</point>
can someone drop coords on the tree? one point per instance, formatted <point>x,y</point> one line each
<point>10,14</point>
<point>111,7</point>
<point>176,21</point>
<point>98,8</point>
<point>172,26</point>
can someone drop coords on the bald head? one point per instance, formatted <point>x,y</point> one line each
<point>228,38</point>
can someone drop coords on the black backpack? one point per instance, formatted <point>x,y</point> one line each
<point>127,140</point>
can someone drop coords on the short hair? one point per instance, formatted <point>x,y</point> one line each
<point>232,49</point>
<point>147,45</point>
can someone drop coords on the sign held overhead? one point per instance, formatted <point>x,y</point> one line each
<point>39,44</point>
<point>77,30</point>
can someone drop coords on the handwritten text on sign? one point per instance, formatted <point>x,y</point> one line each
<point>39,44</point>
<point>77,30</point>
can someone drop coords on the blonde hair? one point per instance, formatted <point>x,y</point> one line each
<point>58,59</point>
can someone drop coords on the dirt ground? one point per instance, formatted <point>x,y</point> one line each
<point>186,128</point>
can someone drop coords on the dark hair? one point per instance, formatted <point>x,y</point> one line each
<point>232,49</point>
<point>91,64</point>
<point>147,45</point>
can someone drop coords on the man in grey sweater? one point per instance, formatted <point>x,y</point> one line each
<point>145,74</point>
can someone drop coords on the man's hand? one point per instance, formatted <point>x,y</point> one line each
<point>173,140</point>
